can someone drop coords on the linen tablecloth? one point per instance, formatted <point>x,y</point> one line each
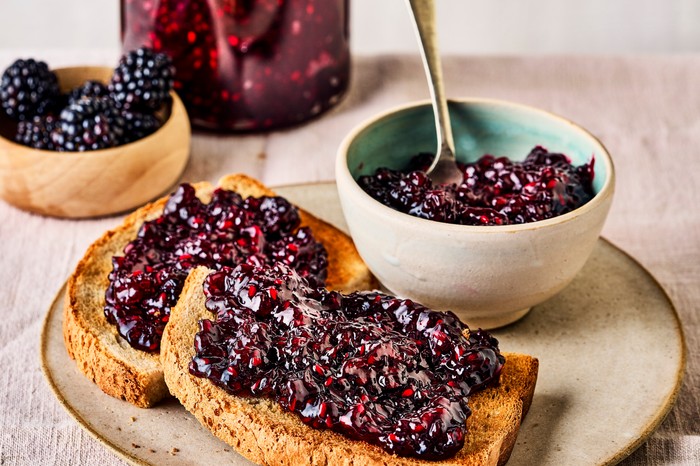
<point>646,110</point>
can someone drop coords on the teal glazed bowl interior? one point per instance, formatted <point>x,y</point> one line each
<point>479,127</point>
<point>489,275</point>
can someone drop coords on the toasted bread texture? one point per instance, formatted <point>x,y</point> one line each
<point>136,376</point>
<point>262,432</point>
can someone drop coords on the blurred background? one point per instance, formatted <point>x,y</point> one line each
<point>381,26</point>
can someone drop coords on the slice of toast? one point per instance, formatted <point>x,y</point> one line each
<point>136,376</point>
<point>262,432</point>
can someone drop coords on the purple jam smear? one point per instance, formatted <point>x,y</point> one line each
<point>146,281</point>
<point>495,190</point>
<point>373,367</point>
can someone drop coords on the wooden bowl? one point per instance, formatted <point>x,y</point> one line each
<point>94,183</point>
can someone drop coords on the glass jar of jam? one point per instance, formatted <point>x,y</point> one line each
<point>247,65</point>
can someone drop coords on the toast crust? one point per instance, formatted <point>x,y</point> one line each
<point>136,376</point>
<point>262,432</point>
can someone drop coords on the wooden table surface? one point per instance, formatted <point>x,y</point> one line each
<point>646,110</point>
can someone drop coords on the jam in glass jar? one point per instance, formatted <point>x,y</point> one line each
<point>247,65</point>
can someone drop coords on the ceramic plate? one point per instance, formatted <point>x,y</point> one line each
<point>611,357</point>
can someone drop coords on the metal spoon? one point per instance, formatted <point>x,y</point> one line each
<point>444,168</point>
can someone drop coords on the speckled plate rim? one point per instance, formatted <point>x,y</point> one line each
<point>623,452</point>
<point>663,411</point>
<point>59,395</point>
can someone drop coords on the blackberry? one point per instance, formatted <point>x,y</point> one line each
<point>142,81</point>
<point>88,89</point>
<point>38,132</point>
<point>138,126</point>
<point>89,124</point>
<point>28,88</point>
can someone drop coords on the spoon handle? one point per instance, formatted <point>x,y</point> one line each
<point>423,12</point>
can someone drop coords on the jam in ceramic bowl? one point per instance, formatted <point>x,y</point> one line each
<point>489,263</point>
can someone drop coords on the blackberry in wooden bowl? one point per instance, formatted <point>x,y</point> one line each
<point>78,153</point>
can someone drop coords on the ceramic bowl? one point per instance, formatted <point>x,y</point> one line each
<point>94,183</point>
<point>488,275</point>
